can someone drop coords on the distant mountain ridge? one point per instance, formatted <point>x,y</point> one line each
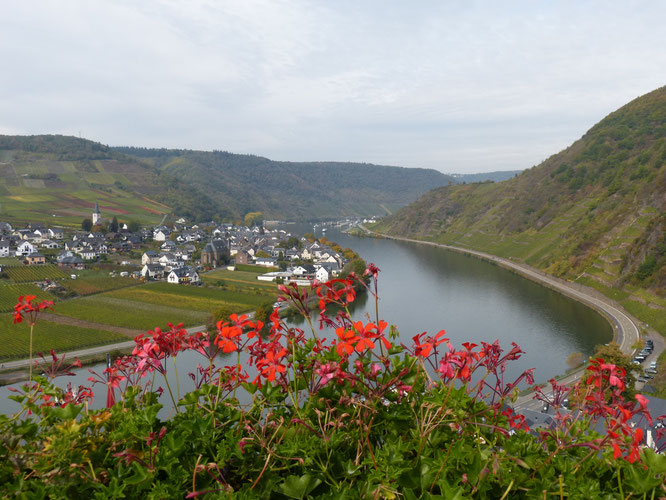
<point>496,176</point>
<point>48,176</point>
<point>305,190</point>
<point>595,212</point>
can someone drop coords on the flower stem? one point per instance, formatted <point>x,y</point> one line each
<point>175,368</point>
<point>32,325</point>
<point>171,393</point>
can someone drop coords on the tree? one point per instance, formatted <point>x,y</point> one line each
<point>253,218</point>
<point>575,359</point>
<point>357,266</point>
<point>133,226</point>
<point>263,312</point>
<point>293,241</point>
<point>114,225</point>
<point>222,313</point>
<point>86,224</point>
<point>348,253</point>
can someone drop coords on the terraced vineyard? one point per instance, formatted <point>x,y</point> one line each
<point>48,335</point>
<point>246,279</point>
<point>115,311</point>
<point>9,295</point>
<point>10,262</point>
<point>195,298</point>
<point>89,285</point>
<point>35,273</point>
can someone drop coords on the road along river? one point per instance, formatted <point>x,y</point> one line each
<point>426,288</point>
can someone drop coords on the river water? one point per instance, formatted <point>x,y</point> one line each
<point>424,288</point>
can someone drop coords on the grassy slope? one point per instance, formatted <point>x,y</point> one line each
<point>594,212</point>
<point>59,181</point>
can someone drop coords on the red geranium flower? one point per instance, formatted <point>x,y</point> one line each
<point>25,307</point>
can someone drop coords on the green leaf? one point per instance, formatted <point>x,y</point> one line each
<point>298,487</point>
<point>140,475</point>
<point>69,412</point>
<point>250,388</point>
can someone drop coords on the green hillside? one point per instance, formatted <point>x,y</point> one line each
<point>58,180</point>
<point>313,190</point>
<point>595,212</point>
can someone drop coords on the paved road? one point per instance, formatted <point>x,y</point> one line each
<point>626,331</point>
<point>625,328</point>
<point>80,353</point>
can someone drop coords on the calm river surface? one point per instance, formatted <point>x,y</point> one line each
<point>423,288</point>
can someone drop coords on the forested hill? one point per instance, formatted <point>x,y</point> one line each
<point>595,212</point>
<point>308,190</point>
<point>46,176</point>
<point>497,176</point>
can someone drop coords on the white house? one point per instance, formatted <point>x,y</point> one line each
<point>149,257</point>
<point>4,249</point>
<point>183,275</point>
<point>322,274</point>
<point>152,271</point>
<point>25,249</point>
<point>298,271</point>
<point>87,253</point>
<point>49,244</point>
<point>56,234</point>
<point>266,261</point>
<point>161,234</point>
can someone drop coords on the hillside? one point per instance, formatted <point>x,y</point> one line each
<point>594,213</point>
<point>58,179</point>
<point>52,177</point>
<point>280,190</point>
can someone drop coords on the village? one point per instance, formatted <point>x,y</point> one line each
<point>177,253</point>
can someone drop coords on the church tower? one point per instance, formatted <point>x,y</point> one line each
<point>96,216</point>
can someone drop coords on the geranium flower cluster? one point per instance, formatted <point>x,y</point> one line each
<point>25,309</point>
<point>352,377</point>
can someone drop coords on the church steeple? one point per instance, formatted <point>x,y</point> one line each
<point>96,215</point>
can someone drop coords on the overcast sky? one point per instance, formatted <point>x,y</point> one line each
<point>458,86</point>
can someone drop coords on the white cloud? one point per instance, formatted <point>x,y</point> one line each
<point>473,86</point>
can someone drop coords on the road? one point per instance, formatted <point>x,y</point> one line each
<point>82,353</point>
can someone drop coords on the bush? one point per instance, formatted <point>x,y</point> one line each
<point>646,269</point>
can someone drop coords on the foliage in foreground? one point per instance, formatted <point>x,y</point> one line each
<point>352,417</point>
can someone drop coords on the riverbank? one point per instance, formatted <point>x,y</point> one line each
<point>626,328</point>
<point>626,331</point>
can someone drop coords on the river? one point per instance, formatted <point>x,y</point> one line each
<point>425,288</point>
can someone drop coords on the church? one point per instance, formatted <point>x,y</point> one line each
<point>96,215</point>
<point>214,253</point>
